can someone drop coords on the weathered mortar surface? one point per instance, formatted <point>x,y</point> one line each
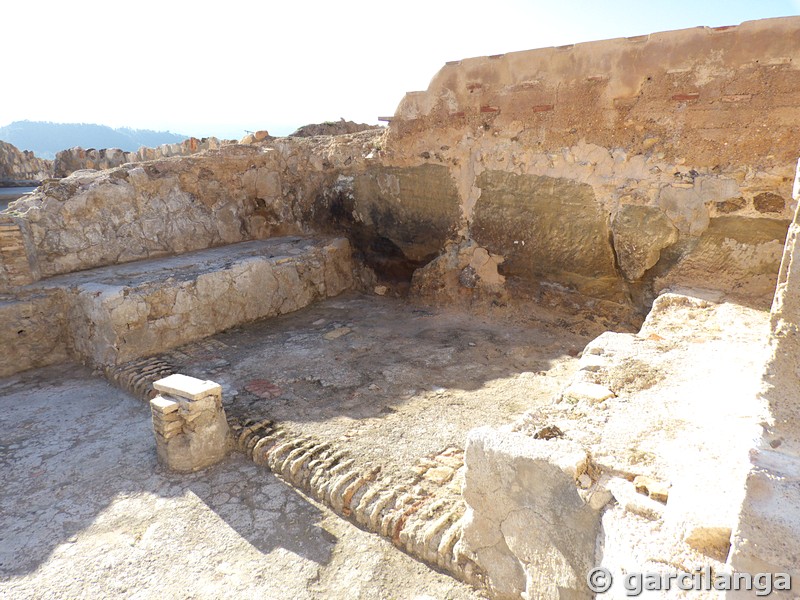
<point>116,314</point>
<point>86,512</point>
<point>691,124</point>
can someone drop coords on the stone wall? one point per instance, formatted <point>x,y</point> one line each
<point>616,168</point>
<point>76,159</point>
<point>22,166</point>
<point>767,538</point>
<point>175,205</point>
<point>610,171</point>
<point>33,332</point>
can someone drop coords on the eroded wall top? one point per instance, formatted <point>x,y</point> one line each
<point>694,93</point>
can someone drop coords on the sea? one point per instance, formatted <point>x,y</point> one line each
<point>8,194</point>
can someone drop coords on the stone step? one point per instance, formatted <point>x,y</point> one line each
<point>112,315</point>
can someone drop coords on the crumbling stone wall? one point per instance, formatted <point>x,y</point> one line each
<point>20,166</point>
<point>76,159</point>
<point>180,204</point>
<point>617,168</point>
<point>767,538</point>
<point>33,332</point>
<point>608,170</point>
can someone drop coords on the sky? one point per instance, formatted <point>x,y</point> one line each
<point>224,68</point>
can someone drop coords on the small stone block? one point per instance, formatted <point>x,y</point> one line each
<point>439,475</point>
<point>162,405</point>
<point>169,428</point>
<point>187,387</point>
<point>166,418</point>
<point>591,392</point>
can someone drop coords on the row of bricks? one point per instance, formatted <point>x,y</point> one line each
<point>414,521</point>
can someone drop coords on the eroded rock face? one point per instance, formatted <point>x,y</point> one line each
<point>734,253</point>
<point>410,210</point>
<point>179,204</point>
<point>331,128</point>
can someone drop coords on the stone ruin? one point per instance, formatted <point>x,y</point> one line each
<point>643,184</point>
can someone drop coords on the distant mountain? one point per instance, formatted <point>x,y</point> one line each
<point>45,139</point>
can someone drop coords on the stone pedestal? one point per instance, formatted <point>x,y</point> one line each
<point>189,423</point>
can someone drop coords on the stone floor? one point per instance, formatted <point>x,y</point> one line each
<point>86,512</point>
<point>393,381</point>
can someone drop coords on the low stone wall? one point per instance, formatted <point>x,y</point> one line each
<point>76,159</point>
<point>22,165</point>
<point>181,204</point>
<point>33,332</point>
<point>117,315</point>
<point>106,317</point>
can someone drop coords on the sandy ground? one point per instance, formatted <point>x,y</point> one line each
<point>86,512</point>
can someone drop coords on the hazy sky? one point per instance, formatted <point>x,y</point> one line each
<point>201,68</point>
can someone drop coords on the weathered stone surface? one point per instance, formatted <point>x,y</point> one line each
<point>196,434</point>
<point>77,159</point>
<point>769,202</point>
<point>545,228</point>
<point>767,536</point>
<point>648,122</point>
<point>414,209</point>
<point>187,387</point>
<point>527,527</point>
<point>175,205</point>
<point>33,332</point>
<point>464,272</point>
<point>640,233</point>
<point>120,313</point>
<point>332,128</point>
<point>738,254</point>
<point>686,208</point>
<point>19,165</point>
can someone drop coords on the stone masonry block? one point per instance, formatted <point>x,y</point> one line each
<point>527,526</point>
<point>189,423</point>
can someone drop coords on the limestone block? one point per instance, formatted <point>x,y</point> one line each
<point>581,391</point>
<point>187,387</point>
<point>546,227</point>
<point>686,209</point>
<point>528,528</point>
<point>416,208</point>
<point>189,423</point>
<point>735,254</point>
<point>640,233</point>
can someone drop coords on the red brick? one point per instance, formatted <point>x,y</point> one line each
<point>489,109</point>
<point>542,108</point>
<point>685,97</point>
